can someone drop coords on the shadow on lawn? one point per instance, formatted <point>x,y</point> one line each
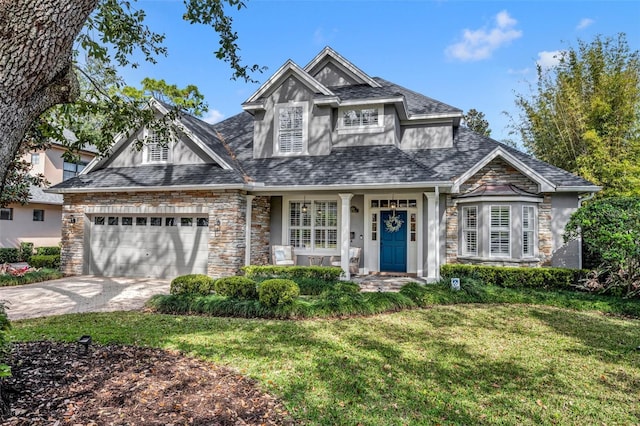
<point>417,367</point>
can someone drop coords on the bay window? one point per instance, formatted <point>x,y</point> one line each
<point>489,231</point>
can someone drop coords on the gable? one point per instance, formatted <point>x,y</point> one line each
<point>331,75</point>
<point>330,66</point>
<point>499,172</point>
<point>183,151</point>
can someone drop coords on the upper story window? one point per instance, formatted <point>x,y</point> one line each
<point>6,214</point>
<point>35,158</point>
<point>154,150</point>
<point>291,128</point>
<point>71,170</point>
<point>361,120</point>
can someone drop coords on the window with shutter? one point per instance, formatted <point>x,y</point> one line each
<point>291,129</point>
<point>528,227</point>
<point>500,230</point>
<point>155,151</point>
<point>470,230</point>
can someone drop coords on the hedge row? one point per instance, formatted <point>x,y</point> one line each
<point>25,252</point>
<point>30,277</point>
<point>516,277</point>
<point>325,273</point>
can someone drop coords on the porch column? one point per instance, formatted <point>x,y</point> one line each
<point>344,235</point>
<point>247,230</point>
<point>433,231</point>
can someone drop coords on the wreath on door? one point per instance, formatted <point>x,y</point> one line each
<point>393,223</point>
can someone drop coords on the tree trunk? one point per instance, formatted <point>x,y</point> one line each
<point>36,41</point>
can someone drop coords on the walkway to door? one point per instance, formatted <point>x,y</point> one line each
<point>385,282</point>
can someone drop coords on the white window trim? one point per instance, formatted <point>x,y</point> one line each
<point>372,128</point>
<point>466,229</point>
<point>286,227</point>
<point>533,222</point>
<point>305,129</point>
<point>147,145</point>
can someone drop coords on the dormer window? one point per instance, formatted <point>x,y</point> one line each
<point>361,120</point>
<point>291,128</point>
<point>154,151</point>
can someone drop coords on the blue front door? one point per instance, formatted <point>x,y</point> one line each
<point>393,244</point>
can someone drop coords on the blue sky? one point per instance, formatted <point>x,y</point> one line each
<point>468,54</point>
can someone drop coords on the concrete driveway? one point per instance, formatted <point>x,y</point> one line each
<point>80,294</point>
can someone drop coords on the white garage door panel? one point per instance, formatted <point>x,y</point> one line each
<point>148,251</point>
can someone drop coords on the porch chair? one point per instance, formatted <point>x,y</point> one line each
<point>283,256</point>
<point>354,260</point>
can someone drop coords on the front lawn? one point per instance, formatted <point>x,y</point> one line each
<point>457,364</point>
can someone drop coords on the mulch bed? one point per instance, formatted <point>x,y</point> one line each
<point>54,384</point>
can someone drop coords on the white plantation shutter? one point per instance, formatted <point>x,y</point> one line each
<point>528,228</point>
<point>470,230</point>
<point>290,134</point>
<point>500,230</point>
<point>156,153</point>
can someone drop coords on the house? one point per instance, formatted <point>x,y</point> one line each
<point>40,221</point>
<point>323,158</point>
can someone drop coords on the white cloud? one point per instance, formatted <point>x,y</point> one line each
<point>522,71</point>
<point>213,116</point>
<point>324,38</point>
<point>480,44</point>
<point>584,23</point>
<point>548,59</point>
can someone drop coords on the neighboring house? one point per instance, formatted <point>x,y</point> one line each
<point>323,158</point>
<point>40,221</point>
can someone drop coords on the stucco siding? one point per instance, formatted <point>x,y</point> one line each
<point>184,151</point>
<point>24,229</point>
<point>332,76</point>
<point>426,137</point>
<point>562,207</point>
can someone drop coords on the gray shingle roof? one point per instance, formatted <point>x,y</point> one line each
<point>37,195</point>
<point>417,104</point>
<point>154,176</point>
<point>361,165</point>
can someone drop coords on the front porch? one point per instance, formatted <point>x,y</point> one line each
<point>397,233</point>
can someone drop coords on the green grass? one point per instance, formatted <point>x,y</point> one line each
<point>452,364</point>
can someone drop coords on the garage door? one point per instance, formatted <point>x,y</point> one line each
<point>148,246</point>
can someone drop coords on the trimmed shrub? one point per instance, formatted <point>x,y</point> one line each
<point>324,273</point>
<point>51,261</point>
<point>30,277</point>
<point>277,292</point>
<point>9,255</point>
<point>237,288</point>
<point>26,251</point>
<point>516,277</point>
<point>313,287</point>
<point>48,250</point>
<point>196,284</point>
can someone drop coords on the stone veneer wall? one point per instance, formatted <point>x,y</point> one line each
<point>226,249</point>
<point>500,172</point>
<point>260,230</point>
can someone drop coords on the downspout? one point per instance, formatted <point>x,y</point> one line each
<point>437,208</point>
<point>582,199</point>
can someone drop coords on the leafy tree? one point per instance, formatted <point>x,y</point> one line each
<point>585,114</point>
<point>610,229</point>
<point>474,120</point>
<point>91,119</point>
<point>37,43</point>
